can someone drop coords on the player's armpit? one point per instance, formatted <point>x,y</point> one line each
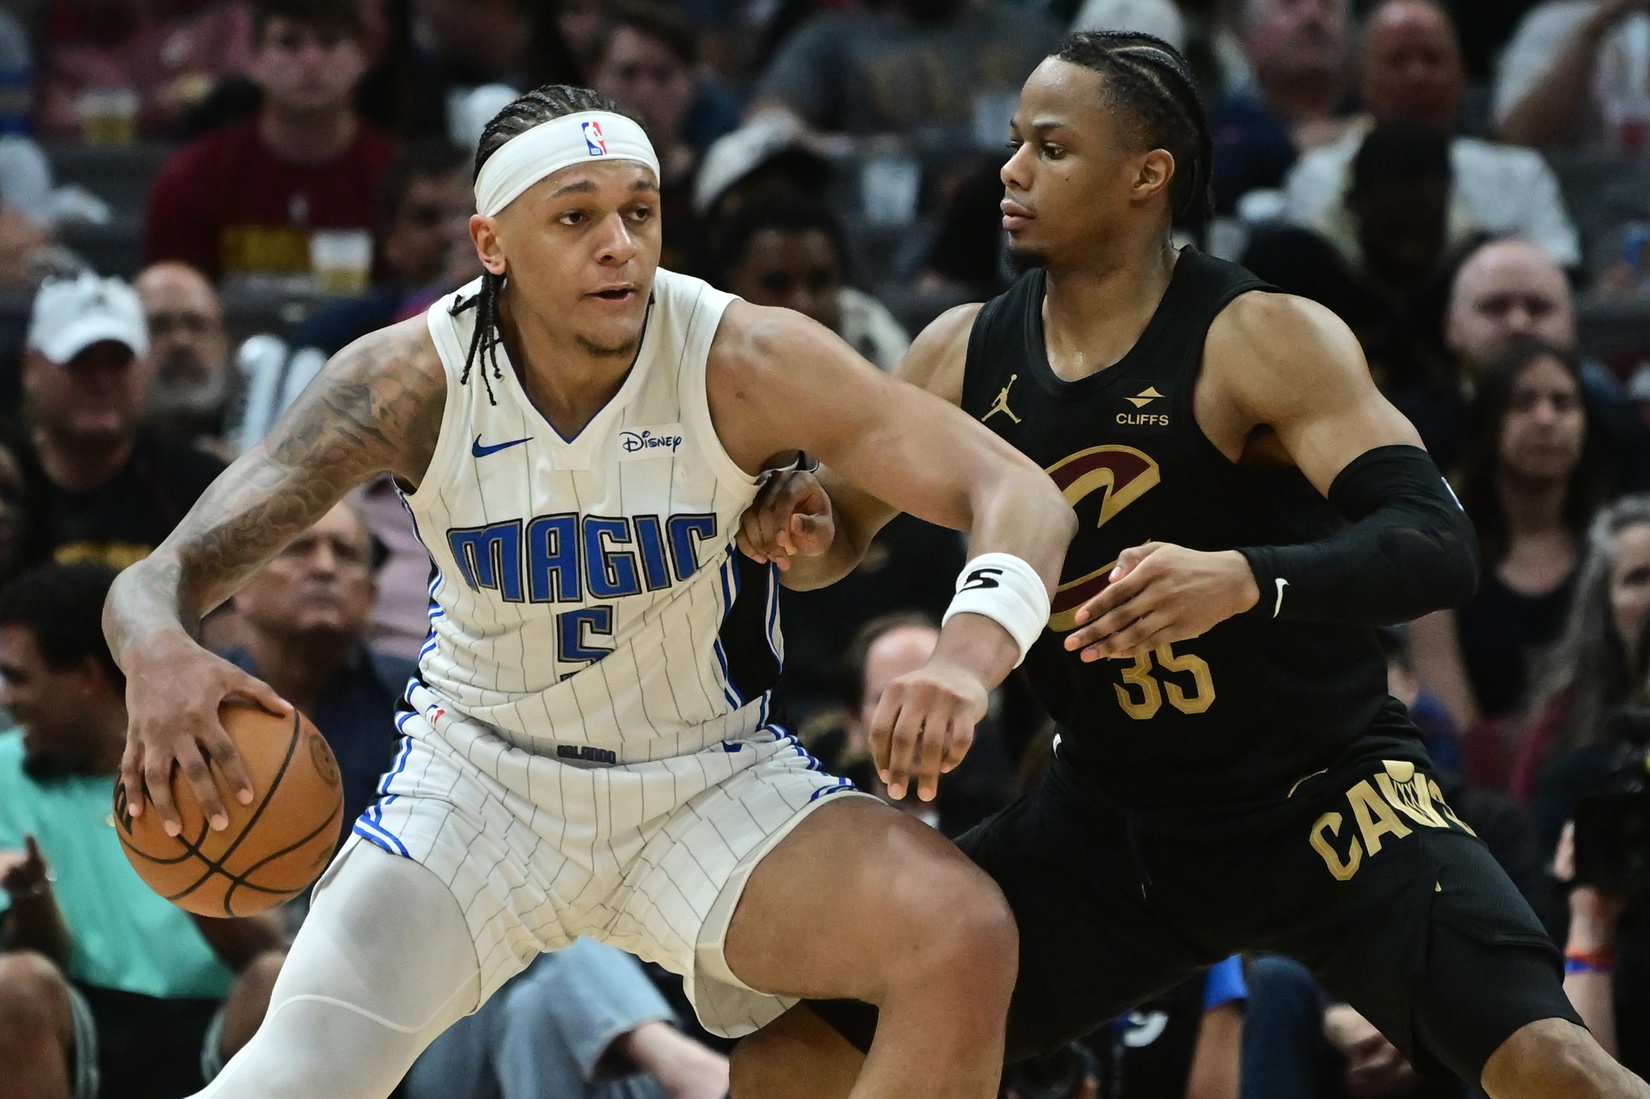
<point>1289,364</point>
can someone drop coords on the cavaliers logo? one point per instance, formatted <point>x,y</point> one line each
<point>1123,475</point>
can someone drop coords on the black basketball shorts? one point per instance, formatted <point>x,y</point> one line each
<point>1362,872</point>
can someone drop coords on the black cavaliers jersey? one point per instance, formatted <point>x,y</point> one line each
<point>1255,704</point>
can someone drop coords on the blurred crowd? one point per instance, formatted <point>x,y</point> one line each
<point>202,200</point>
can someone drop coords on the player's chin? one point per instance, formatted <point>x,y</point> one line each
<point>615,338</point>
<point>1024,255</point>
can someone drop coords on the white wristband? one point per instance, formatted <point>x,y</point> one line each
<point>1006,590</point>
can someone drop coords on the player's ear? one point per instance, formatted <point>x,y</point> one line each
<point>1156,169</point>
<point>484,231</point>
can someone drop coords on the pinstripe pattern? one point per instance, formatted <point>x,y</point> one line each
<point>617,778</point>
<point>646,856</point>
<point>662,691</point>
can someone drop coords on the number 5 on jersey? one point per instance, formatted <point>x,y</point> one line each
<point>584,636</point>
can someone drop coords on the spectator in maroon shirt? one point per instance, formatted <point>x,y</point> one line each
<point>244,199</point>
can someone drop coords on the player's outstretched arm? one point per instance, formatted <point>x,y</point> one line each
<point>377,406</point>
<point>815,525</point>
<point>779,383</point>
<point>1287,365</point>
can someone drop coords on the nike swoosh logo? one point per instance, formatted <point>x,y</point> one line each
<point>1278,606</point>
<point>479,451</point>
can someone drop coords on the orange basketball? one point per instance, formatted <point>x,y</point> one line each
<point>273,849</point>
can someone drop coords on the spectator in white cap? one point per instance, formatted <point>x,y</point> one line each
<point>773,153</point>
<point>97,485</point>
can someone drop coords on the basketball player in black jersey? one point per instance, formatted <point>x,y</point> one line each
<point>1230,773</point>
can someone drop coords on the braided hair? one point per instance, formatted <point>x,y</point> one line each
<point>517,117</point>
<point>1147,78</point>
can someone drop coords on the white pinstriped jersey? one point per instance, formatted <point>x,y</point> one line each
<point>587,602</point>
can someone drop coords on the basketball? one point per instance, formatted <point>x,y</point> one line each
<point>274,848</point>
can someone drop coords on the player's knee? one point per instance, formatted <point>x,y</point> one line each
<point>34,1004</point>
<point>973,942</point>
<point>988,923</point>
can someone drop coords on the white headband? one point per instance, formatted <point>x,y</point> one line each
<point>551,146</point>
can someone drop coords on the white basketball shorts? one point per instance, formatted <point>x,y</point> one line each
<point>649,857</point>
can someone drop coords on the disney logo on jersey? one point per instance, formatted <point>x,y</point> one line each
<point>649,442</point>
<point>1148,408</point>
<point>1121,475</point>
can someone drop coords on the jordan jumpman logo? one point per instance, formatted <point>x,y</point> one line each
<point>1001,403</point>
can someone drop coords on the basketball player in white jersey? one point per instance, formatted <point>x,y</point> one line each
<point>587,749</point>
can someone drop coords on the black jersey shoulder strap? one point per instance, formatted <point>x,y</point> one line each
<point>998,343</point>
<point>1202,287</point>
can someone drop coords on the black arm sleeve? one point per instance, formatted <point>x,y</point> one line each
<point>1408,550</point>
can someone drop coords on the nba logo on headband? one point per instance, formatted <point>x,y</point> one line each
<point>559,143</point>
<point>593,139</point>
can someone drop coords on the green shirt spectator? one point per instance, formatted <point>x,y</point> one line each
<point>124,935</point>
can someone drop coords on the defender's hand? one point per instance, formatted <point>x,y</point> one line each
<point>924,725</point>
<point>173,691</point>
<point>790,517</point>
<point>1161,593</point>
<point>23,873</point>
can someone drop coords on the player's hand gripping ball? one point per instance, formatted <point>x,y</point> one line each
<point>274,848</point>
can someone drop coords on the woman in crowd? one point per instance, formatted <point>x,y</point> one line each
<point>1607,943</point>
<point>1531,479</point>
<point>1589,673</point>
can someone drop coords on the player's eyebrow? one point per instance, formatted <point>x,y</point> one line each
<point>587,186</point>
<point>1038,126</point>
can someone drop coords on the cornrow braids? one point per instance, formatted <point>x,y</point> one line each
<point>517,117</point>
<point>1148,78</point>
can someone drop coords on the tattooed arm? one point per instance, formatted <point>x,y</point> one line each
<point>376,407</point>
